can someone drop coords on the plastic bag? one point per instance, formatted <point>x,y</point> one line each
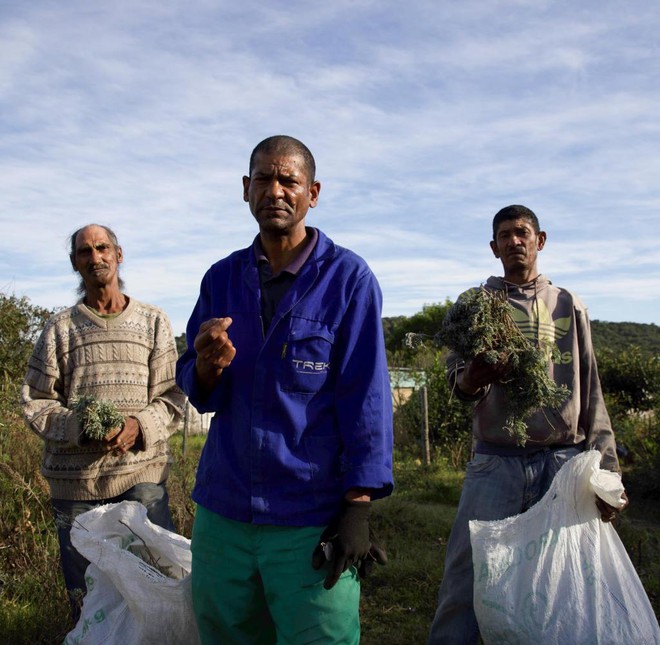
<point>557,573</point>
<point>138,582</point>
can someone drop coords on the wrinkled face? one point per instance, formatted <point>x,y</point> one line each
<point>96,257</point>
<point>517,245</point>
<point>280,193</point>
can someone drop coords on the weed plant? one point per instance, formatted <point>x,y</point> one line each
<point>33,603</point>
<point>96,417</point>
<point>480,325</point>
<point>182,480</point>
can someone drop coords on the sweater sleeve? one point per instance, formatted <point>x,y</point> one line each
<point>158,420</point>
<point>594,418</point>
<point>42,396</point>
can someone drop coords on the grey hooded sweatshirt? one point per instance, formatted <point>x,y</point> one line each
<point>545,312</point>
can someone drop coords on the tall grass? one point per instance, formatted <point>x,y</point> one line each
<point>33,604</point>
<point>398,600</point>
<point>33,607</point>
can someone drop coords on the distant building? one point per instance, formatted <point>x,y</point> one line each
<point>194,422</point>
<point>403,382</point>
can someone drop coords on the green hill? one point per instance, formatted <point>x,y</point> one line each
<point>619,336</point>
<point>606,335</point>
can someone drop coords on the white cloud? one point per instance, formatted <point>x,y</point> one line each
<point>424,123</point>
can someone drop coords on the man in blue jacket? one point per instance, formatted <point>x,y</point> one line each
<point>285,346</point>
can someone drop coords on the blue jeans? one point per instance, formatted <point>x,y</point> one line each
<point>495,487</point>
<point>153,496</point>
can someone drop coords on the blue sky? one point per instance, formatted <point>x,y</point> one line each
<point>425,118</point>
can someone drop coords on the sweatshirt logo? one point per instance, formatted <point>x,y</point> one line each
<point>539,326</point>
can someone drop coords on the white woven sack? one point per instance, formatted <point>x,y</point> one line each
<point>557,573</point>
<point>128,600</point>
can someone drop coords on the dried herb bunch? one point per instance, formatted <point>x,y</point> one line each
<point>96,417</point>
<point>480,324</point>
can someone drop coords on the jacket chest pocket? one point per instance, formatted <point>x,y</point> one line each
<point>306,359</point>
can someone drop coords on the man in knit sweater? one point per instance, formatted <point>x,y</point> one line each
<point>115,349</point>
<point>504,479</point>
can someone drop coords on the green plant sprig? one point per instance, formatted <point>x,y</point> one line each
<point>480,324</point>
<point>96,416</point>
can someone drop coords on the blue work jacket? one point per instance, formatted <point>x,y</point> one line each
<point>304,411</point>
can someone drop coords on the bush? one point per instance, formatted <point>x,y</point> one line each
<point>29,567</point>
<point>630,379</point>
<point>638,433</point>
<point>20,324</point>
<point>450,419</point>
<point>427,322</point>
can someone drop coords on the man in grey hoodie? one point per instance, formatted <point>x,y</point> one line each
<point>504,479</point>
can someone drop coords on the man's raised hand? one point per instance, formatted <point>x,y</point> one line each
<point>215,351</point>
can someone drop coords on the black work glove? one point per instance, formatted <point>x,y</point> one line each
<point>376,554</point>
<point>346,542</point>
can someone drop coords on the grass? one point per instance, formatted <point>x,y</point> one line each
<point>398,600</point>
<point>33,604</point>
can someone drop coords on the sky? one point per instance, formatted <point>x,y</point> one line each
<point>425,118</point>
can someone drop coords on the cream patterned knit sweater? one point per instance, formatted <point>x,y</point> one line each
<point>128,359</point>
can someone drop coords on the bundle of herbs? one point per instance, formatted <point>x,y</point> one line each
<point>480,324</point>
<point>96,417</point>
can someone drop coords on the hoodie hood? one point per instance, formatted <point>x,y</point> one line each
<point>527,290</point>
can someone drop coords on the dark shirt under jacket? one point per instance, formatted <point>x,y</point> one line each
<point>274,287</point>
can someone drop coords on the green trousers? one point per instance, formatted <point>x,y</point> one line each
<point>255,584</point>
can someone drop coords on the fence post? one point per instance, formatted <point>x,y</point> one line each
<point>426,447</point>
<point>186,421</point>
